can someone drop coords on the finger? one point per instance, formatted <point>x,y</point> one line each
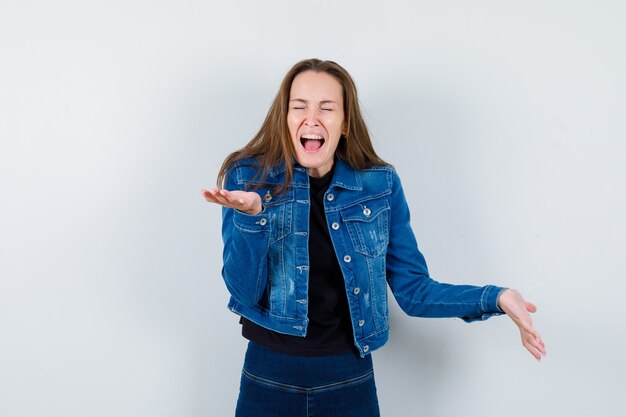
<point>223,200</point>
<point>527,341</point>
<point>527,332</point>
<point>532,332</point>
<point>535,342</point>
<point>525,324</point>
<point>531,307</point>
<point>209,196</point>
<point>237,202</point>
<point>214,194</point>
<point>533,351</point>
<point>537,345</point>
<point>230,196</point>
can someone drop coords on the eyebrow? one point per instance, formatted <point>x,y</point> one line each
<point>321,102</point>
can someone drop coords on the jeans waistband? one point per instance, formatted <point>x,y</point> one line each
<point>304,371</point>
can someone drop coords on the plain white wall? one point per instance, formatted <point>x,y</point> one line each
<point>505,121</point>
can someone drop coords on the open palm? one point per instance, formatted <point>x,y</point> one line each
<point>245,201</point>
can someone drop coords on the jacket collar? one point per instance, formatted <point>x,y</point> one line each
<point>345,176</point>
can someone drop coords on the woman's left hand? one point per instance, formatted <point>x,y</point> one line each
<point>513,304</point>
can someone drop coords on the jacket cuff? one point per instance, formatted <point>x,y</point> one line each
<point>252,222</point>
<point>489,300</point>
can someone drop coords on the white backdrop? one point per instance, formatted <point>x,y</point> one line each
<point>504,119</point>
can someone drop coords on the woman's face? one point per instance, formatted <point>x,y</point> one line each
<point>315,120</point>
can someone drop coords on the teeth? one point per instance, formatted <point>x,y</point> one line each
<point>316,137</point>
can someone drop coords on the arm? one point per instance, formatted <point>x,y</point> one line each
<point>407,274</point>
<point>245,232</point>
<point>419,295</point>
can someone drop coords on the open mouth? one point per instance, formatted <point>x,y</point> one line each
<point>312,143</point>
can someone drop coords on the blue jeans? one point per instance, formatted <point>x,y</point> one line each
<point>275,384</point>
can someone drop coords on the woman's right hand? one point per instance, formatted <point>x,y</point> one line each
<point>245,201</point>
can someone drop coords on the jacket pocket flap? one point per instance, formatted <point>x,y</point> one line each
<point>365,211</point>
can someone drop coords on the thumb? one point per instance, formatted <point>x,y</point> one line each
<point>531,307</point>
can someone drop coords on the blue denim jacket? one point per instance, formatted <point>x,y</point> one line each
<point>266,256</point>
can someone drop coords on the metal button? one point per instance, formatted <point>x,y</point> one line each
<point>361,323</point>
<point>356,291</point>
<point>335,226</point>
<point>347,258</point>
<point>267,197</point>
<point>263,221</point>
<point>367,212</point>
<point>330,197</point>
<point>365,348</point>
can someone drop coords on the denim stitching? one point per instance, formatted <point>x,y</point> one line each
<point>307,405</point>
<point>298,389</point>
<point>243,229</point>
<point>284,278</point>
<point>374,334</point>
<point>344,384</point>
<point>482,296</point>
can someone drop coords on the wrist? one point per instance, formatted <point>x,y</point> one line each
<point>259,210</point>
<point>502,298</point>
<point>255,211</point>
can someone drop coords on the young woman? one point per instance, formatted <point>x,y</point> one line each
<point>315,226</point>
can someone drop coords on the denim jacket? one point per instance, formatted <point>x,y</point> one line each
<point>266,256</point>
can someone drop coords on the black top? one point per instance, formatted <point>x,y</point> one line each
<point>330,329</point>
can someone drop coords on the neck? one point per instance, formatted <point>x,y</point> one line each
<point>320,171</point>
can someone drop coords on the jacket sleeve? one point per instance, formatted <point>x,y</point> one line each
<point>417,294</point>
<point>246,242</point>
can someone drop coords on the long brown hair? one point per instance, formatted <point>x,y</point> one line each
<point>273,144</point>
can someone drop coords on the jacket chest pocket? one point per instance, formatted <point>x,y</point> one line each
<point>368,226</point>
<point>279,212</point>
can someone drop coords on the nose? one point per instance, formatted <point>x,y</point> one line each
<point>311,119</point>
